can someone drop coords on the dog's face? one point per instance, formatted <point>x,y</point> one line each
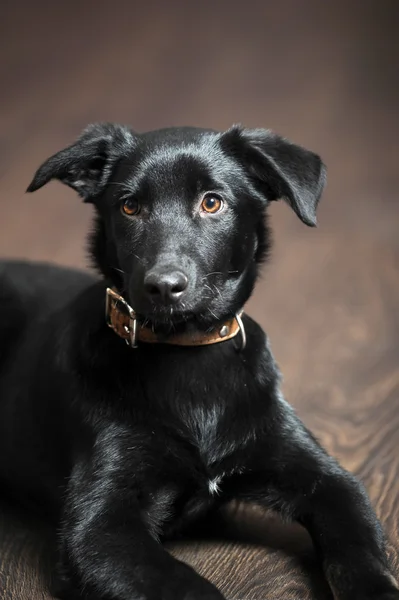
<point>181,212</point>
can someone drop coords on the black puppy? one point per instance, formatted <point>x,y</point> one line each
<point>131,443</point>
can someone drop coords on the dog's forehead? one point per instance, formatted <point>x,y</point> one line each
<point>177,136</point>
<point>171,147</point>
<point>186,159</point>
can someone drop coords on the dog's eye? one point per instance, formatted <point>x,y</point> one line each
<point>130,207</point>
<point>212,204</point>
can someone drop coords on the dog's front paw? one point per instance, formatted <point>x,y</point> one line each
<point>372,586</point>
<point>386,588</point>
<point>169,580</point>
<point>375,595</point>
<point>180,582</point>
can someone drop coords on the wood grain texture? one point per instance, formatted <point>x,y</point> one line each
<point>323,74</point>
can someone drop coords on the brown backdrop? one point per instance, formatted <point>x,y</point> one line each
<point>323,74</point>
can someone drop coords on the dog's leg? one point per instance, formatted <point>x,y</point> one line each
<point>109,543</point>
<point>290,473</point>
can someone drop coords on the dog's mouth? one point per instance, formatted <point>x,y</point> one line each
<point>172,319</point>
<point>197,313</point>
<point>166,319</point>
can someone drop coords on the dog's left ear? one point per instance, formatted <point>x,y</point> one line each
<point>87,165</point>
<point>280,169</point>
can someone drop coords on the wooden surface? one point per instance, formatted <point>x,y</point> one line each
<point>323,74</point>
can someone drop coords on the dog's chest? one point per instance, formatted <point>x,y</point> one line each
<point>208,414</point>
<point>218,434</point>
<point>206,426</point>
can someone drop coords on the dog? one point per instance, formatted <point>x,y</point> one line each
<point>136,404</point>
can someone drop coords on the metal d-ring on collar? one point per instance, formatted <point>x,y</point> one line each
<point>242,330</point>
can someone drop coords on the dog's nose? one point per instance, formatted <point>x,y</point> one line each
<point>167,287</point>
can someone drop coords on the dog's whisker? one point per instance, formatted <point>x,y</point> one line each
<point>123,185</point>
<point>212,313</point>
<point>213,273</point>
<point>138,258</point>
<point>218,291</point>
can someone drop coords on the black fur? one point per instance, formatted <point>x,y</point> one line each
<point>128,447</point>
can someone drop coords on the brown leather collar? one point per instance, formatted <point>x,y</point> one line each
<point>122,319</point>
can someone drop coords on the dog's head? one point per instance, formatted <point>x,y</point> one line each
<point>181,226</point>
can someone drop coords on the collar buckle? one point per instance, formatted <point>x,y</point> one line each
<point>127,331</point>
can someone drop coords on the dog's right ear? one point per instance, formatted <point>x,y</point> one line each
<point>87,165</point>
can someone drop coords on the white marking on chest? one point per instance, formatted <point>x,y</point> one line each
<point>204,424</point>
<point>213,485</point>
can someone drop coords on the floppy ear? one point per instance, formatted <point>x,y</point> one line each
<point>87,165</point>
<point>280,169</point>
